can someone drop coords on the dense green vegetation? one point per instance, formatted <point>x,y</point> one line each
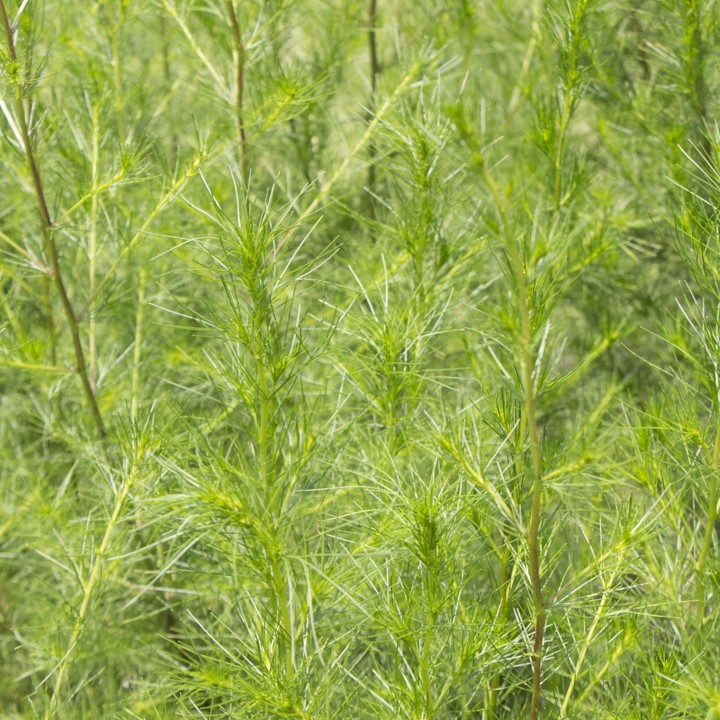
<point>359,360</point>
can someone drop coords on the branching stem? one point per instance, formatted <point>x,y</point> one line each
<point>48,233</point>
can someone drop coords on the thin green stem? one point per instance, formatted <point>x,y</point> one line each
<point>118,101</point>
<point>92,251</point>
<point>282,602</point>
<point>709,530</point>
<point>263,426</point>
<point>263,408</point>
<point>342,167</point>
<point>95,190</point>
<point>167,73</point>
<point>426,670</point>
<point>137,346</point>
<point>527,362</point>
<point>571,78</point>
<point>50,318</point>
<point>216,76</point>
<point>598,674</point>
<point>504,609</point>
<point>426,674</point>
<point>239,60</point>
<point>94,578</point>
<point>695,69</point>
<point>374,73</point>
<point>273,496</point>
<point>560,152</point>
<point>537,498</point>
<point>582,654</point>
<point>164,201</point>
<point>537,13</point>
<point>36,367</point>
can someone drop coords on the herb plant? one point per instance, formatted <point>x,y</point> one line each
<point>359,359</point>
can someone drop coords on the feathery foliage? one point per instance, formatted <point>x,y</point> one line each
<point>359,359</point>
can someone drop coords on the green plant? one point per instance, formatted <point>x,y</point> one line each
<point>395,332</point>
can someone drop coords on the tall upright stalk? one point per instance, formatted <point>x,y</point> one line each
<point>239,92</point>
<point>48,231</point>
<point>117,84</point>
<point>430,561</point>
<point>559,161</point>
<point>538,8</point>
<point>167,74</point>
<point>709,530</point>
<point>137,346</point>
<point>572,88</point>
<point>92,251</point>
<point>695,59</point>
<point>527,361</point>
<point>278,582</point>
<point>374,73</point>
